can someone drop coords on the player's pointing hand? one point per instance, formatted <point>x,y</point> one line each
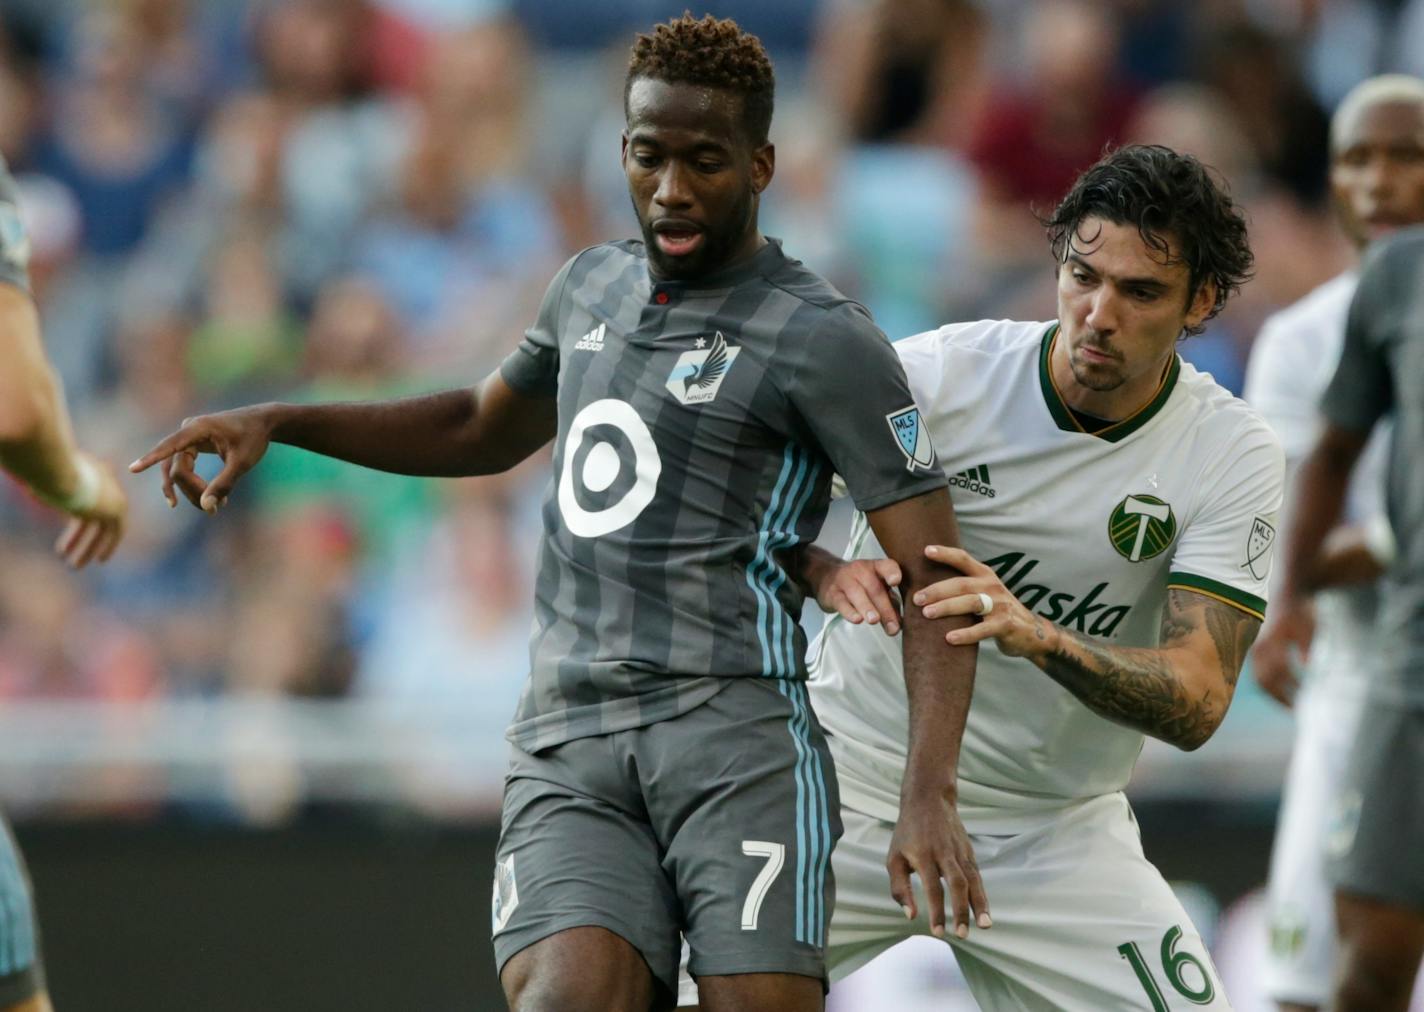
<point>239,437</point>
<point>1018,631</point>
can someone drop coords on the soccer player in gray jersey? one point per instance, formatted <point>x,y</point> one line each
<point>667,773</point>
<point>1377,178</point>
<point>1377,833</point>
<point>37,447</point>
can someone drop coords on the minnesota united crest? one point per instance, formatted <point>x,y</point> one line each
<point>698,375</point>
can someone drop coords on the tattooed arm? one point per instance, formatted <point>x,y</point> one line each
<point>1177,691</point>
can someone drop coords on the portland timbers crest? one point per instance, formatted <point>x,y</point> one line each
<point>1141,527</point>
<point>912,437</point>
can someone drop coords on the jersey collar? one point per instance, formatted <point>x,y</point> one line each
<point>1063,417</point>
<point>764,261</point>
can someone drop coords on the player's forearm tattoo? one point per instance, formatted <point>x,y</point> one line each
<point>1141,688</point>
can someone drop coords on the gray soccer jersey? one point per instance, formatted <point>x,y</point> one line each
<point>14,241</point>
<point>1382,372</point>
<point>699,427</point>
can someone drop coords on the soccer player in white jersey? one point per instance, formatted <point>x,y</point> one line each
<point>1377,175</point>
<point>1117,510</point>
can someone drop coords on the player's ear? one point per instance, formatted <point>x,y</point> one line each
<point>623,150</point>
<point>1201,303</point>
<point>763,166</point>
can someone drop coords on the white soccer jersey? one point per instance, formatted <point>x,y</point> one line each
<point>1088,530</point>
<point>1292,362</point>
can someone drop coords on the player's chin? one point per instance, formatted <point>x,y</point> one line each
<point>1098,376</point>
<point>679,268</point>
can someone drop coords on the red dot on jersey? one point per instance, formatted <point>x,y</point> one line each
<point>662,298</point>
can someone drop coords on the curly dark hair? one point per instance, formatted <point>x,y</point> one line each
<point>711,54</point>
<point>1180,209</point>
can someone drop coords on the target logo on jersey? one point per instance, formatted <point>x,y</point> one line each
<point>610,469</point>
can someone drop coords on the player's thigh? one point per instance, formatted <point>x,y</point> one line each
<point>1381,945</point>
<point>1082,921</point>
<point>1301,953</point>
<point>575,852</point>
<point>761,992</point>
<point>21,976</point>
<point>743,792</point>
<point>1377,826</point>
<point>576,969</point>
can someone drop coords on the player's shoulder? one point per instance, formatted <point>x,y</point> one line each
<point>980,337</point>
<point>1219,416</point>
<point>603,252</point>
<point>820,306</point>
<point>1390,273</point>
<point>1320,308</point>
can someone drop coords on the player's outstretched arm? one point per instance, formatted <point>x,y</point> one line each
<point>1317,501</point>
<point>1177,691</point>
<point>930,840</point>
<point>37,441</point>
<point>456,433</point>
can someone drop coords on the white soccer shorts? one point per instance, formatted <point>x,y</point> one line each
<point>1082,921</point>
<point>1300,899</point>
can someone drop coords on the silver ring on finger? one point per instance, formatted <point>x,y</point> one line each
<point>986,603</point>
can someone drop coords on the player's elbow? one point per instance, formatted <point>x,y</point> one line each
<point>23,417</point>
<point>1197,728</point>
<point>1190,742</point>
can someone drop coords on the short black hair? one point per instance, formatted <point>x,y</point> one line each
<point>1174,201</point>
<point>711,54</point>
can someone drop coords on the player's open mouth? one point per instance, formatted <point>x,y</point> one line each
<point>678,242</point>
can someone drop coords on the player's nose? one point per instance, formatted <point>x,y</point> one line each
<point>673,189</point>
<point>1102,311</point>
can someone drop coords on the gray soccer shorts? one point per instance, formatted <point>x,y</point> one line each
<point>1376,831</point>
<point>717,824</point>
<point>21,976</point>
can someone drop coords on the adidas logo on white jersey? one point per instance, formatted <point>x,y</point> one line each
<point>974,479</point>
<point>593,340</point>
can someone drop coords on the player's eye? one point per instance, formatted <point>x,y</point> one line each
<point>644,159</point>
<point>1082,277</point>
<point>709,167</point>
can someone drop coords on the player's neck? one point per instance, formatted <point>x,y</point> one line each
<point>1110,405</point>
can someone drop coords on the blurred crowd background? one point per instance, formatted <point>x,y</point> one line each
<point>236,201</point>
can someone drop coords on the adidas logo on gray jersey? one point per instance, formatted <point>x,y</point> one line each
<point>974,479</point>
<point>593,340</point>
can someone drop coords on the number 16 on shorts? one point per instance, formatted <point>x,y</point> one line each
<point>774,854</point>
